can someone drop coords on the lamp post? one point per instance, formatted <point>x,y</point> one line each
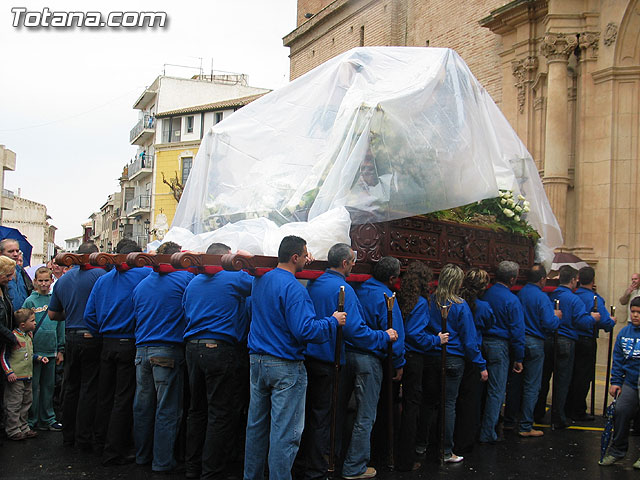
<point>147,225</point>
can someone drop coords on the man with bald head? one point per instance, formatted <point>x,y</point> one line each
<point>630,293</point>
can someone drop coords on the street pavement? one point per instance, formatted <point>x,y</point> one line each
<point>571,453</point>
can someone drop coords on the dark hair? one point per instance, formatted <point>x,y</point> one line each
<point>566,274</point>
<point>218,249</point>
<point>537,273</point>
<point>22,315</point>
<point>290,246</point>
<point>87,247</point>
<point>386,268</point>
<point>337,254</point>
<point>126,245</point>
<point>635,302</point>
<point>474,283</point>
<point>415,284</point>
<point>168,248</point>
<point>4,242</point>
<point>506,271</point>
<point>586,275</point>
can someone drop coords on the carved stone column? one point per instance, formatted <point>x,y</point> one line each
<point>557,47</point>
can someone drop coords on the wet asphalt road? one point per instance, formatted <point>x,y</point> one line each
<point>571,454</point>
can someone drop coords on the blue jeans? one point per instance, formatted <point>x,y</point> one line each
<point>157,406</point>
<point>276,416</point>
<point>496,353</point>
<point>363,377</point>
<point>531,379</point>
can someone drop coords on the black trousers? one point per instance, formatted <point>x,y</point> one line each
<point>585,362</point>
<point>80,388</point>
<point>468,409</point>
<point>411,405</point>
<point>564,369</point>
<point>116,391</point>
<point>313,455</point>
<point>214,383</point>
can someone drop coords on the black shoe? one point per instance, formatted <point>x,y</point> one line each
<point>559,426</point>
<point>119,460</point>
<point>175,470</point>
<point>583,417</point>
<point>191,474</point>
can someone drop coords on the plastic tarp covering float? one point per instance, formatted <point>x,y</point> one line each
<point>379,132</point>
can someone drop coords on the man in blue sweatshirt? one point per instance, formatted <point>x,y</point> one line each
<point>110,314</point>
<point>320,358</point>
<point>213,305</point>
<point>586,348</point>
<point>364,365</point>
<point>157,405</point>
<point>574,316</point>
<point>283,322</point>
<point>507,334</point>
<point>624,385</point>
<point>82,352</point>
<point>539,318</point>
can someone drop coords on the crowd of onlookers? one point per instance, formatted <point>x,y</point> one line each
<point>246,366</point>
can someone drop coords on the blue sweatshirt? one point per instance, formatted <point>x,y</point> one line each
<point>574,313</point>
<point>282,317</point>
<point>214,306</point>
<point>109,309</point>
<point>324,293</point>
<point>483,318</point>
<point>157,302</point>
<point>463,341</point>
<point>626,357</point>
<point>539,316</point>
<point>371,296</point>
<point>70,295</point>
<point>605,323</point>
<point>417,338</point>
<point>509,318</point>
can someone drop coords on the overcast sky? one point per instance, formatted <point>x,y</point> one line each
<point>66,95</point>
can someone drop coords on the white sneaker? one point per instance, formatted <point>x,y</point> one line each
<point>452,458</point>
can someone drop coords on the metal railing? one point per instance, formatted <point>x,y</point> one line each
<point>146,122</point>
<point>139,163</point>
<point>138,203</point>
<point>7,193</point>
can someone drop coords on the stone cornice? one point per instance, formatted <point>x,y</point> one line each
<point>513,14</point>
<point>291,37</point>
<point>558,46</point>
<point>616,73</point>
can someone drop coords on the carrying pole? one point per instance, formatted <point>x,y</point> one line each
<point>390,301</point>
<point>612,309</point>
<point>555,367</point>
<point>334,396</point>
<point>444,311</point>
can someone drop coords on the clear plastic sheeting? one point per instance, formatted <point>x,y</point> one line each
<point>385,132</point>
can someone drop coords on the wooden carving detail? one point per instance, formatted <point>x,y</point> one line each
<point>235,262</point>
<point>70,259</point>
<point>367,241</point>
<point>186,260</point>
<point>100,259</point>
<point>421,245</point>
<point>140,259</point>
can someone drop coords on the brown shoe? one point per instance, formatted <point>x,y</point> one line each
<point>531,433</point>
<point>17,437</point>
<point>30,434</point>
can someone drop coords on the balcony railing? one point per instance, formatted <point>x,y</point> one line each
<point>141,202</point>
<point>7,194</point>
<point>147,122</point>
<point>139,163</point>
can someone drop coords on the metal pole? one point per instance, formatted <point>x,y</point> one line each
<point>594,356</point>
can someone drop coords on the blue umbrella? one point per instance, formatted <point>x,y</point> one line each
<point>25,246</point>
<point>608,429</point>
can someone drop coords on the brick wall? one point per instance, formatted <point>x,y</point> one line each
<point>402,22</point>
